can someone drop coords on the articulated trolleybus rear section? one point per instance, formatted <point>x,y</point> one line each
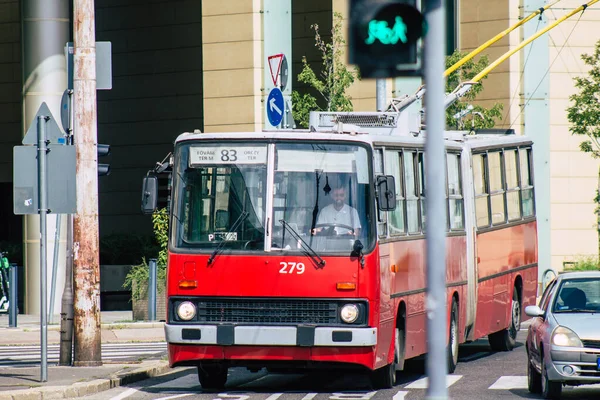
<point>306,249</point>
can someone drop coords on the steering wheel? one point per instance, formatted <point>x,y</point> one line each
<point>329,229</point>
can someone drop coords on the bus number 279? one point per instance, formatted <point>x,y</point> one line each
<point>291,268</point>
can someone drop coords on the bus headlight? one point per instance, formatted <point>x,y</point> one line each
<point>186,310</point>
<point>349,313</point>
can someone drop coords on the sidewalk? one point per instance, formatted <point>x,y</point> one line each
<point>23,383</point>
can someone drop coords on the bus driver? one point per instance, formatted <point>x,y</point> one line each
<point>339,215</point>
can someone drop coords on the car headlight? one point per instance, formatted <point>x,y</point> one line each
<point>349,313</point>
<point>186,310</point>
<point>565,337</point>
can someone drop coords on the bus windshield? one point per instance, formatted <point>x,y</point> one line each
<point>320,191</point>
<point>220,196</point>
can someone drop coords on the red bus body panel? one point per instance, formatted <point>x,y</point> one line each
<point>259,276</point>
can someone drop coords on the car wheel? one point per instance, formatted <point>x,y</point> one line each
<point>453,339</point>
<point>550,389</point>
<point>506,339</point>
<point>534,379</point>
<point>212,377</point>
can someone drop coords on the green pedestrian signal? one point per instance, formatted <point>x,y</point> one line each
<point>379,30</point>
<point>384,37</point>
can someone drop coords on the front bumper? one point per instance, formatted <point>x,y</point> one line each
<point>242,335</point>
<point>582,361</point>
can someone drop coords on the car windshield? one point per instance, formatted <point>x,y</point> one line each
<point>578,296</point>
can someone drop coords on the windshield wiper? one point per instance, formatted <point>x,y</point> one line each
<point>236,224</point>
<point>320,263</point>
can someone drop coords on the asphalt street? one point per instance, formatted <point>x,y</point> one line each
<point>481,374</point>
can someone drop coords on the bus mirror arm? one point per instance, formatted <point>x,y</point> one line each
<point>357,251</point>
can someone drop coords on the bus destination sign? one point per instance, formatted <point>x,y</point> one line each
<point>228,155</point>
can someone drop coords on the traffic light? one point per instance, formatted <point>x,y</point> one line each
<point>103,150</point>
<point>384,37</point>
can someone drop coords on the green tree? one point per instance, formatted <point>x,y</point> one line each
<point>331,83</point>
<point>464,74</point>
<point>584,113</point>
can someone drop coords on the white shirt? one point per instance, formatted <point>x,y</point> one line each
<point>345,216</point>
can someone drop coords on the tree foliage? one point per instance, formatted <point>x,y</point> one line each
<point>482,117</point>
<point>584,113</point>
<point>331,83</point>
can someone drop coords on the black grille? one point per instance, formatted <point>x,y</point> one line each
<point>268,312</point>
<point>592,344</point>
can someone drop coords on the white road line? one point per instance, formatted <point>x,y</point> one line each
<point>125,394</point>
<point>310,396</point>
<point>400,395</point>
<point>177,396</point>
<point>423,382</point>
<point>352,395</point>
<point>510,382</point>
<point>274,396</point>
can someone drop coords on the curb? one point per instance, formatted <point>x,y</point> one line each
<point>81,389</point>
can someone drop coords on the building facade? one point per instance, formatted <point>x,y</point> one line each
<point>180,65</point>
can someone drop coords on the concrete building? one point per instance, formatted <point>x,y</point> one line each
<point>180,65</point>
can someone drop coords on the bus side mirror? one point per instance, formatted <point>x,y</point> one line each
<point>149,194</point>
<point>386,193</point>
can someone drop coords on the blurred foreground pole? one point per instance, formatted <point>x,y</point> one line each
<point>435,166</point>
<point>86,269</point>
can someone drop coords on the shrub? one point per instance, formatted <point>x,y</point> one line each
<point>140,274</point>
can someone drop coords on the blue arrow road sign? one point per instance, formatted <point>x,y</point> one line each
<point>275,106</point>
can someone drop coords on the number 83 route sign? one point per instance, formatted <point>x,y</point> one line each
<point>275,106</point>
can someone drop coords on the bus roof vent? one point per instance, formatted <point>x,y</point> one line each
<point>383,123</point>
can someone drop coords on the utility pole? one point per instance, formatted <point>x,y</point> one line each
<point>86,269</point>
<point>437,330</point>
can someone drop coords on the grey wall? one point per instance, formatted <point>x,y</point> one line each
<point>10,112</point>
<point>156,95</point>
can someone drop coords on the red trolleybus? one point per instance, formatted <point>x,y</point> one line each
<point>306,249</point>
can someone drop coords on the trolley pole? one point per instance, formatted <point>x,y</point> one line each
<point>437,331</point>
<point>86,269</point>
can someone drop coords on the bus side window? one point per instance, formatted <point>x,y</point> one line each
<point>512,185</point>
<point>393,166</point>
<point>422,183</point>
<point>412,200</point>
<point>496,188</point>
<point>454,193</point>
<point>482,213</point>
<point>526,182</point>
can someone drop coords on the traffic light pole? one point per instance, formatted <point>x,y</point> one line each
<point>86,269</point>
<point>437,331</point>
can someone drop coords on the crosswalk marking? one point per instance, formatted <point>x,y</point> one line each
<point>30,355</point>
<point>400,395</point>
<point>509,382</point>
<point>423,382</point>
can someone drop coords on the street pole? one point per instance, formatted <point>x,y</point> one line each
<point>42,196</point>
<point>381,95</point>
<point>437,331</point>
<point>152,291</point>
<point>86,269</point>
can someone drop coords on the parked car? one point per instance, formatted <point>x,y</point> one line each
<point>563,341</point>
